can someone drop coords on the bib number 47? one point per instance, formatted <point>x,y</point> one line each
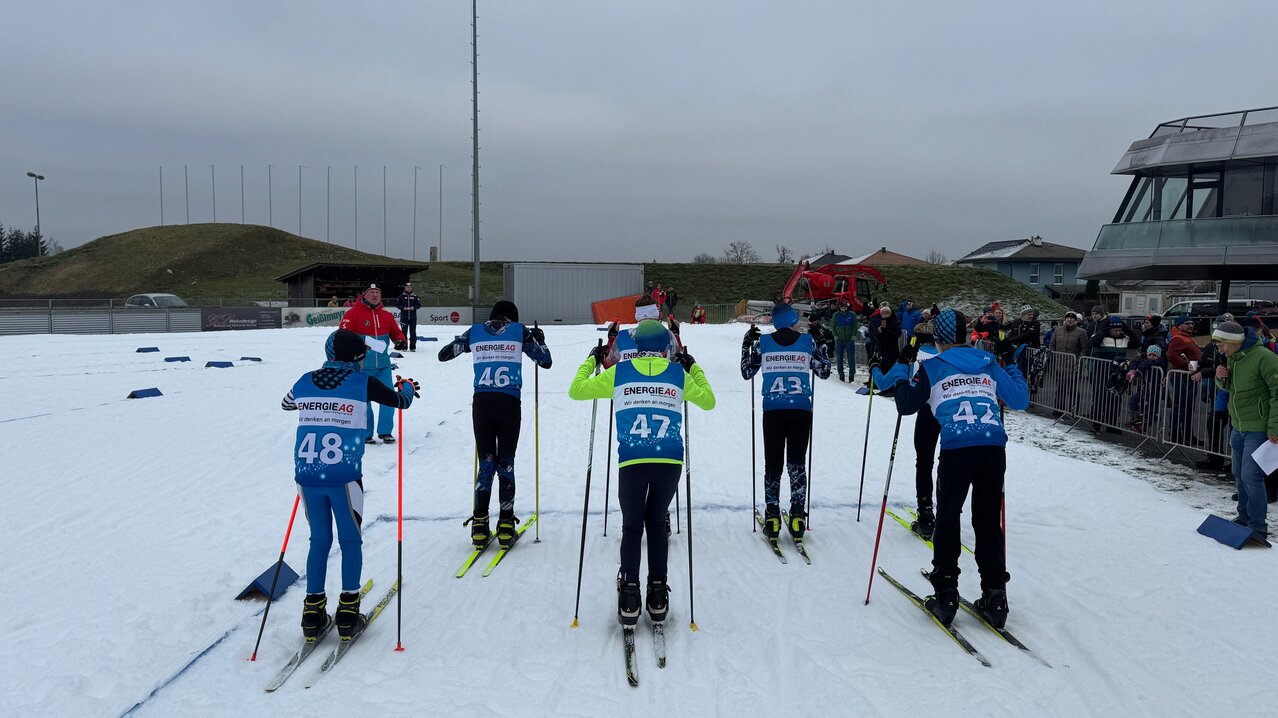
<point>641,429</point>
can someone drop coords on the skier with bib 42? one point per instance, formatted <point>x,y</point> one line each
<point>649,392</point>
<point>497,346</point>
<point>786,357</point>
<point>328,460</point>
<point>963,386</point>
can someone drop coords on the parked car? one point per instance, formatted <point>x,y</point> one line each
<point>155,301</point>
<point>1211,308</point>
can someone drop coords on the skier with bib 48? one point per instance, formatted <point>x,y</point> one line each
<point>497,346</point>
<point>328,460</point>
<point>786,357</point>
<point>649,392</point>
<point>963,386</point>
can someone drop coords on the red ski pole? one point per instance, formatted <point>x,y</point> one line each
<point>883,509</point>
<point>399,570</point>
<point>270,597</point>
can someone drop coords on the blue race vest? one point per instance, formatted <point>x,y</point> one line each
<point>965,405</point>
<point>625,345</point>
<point>649,415</point>
<point>498,359</point>
<point>330,432</point>
<point>786,381</point>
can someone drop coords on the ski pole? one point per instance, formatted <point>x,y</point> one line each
<point>874,561</point>
<point>270,597</point>
<point>537,447</point>
<point>687,468</point>
<point>811,443</point>
<point>865,450</point>
<point>585,509</point>
<point>399,564</point>
<point>754,463</point>
<point>608,468</point>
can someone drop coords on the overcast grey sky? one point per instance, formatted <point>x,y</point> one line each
<point>613,130</point>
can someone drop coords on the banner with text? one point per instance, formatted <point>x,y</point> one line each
<point>332,316</point>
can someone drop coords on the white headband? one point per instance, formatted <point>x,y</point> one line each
<point>648,311</point>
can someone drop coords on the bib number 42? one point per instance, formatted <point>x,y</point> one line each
<point>967,416</point>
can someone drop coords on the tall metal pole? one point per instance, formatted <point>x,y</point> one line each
<point>36,178</point>
<point>161,195</point>
<point>299,199</point>
<point>356,206</point>
<point>415,168</point>
<point>186,182</point>
<point>474,119</point>
<point>383,210</point>
<point>441,212</point>
<point>241,194</point>
<point>270,197</point>
<point>213,184</point>
<point>328,205</point>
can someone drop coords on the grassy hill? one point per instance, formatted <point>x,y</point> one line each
<point>237,261</point>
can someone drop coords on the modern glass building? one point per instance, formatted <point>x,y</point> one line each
<point>1202,204</point>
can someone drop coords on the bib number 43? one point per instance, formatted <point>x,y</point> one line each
<point>779,385</point>
<point>328,452</point>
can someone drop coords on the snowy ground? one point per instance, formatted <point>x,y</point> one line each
<point>132,524</point>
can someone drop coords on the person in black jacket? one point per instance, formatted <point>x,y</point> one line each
<point>1153,332</point>
<point>1028,331</point>
<point>886,330</point>
<point>408,306</point>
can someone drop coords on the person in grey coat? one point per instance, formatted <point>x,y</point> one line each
<point>1070,338</point>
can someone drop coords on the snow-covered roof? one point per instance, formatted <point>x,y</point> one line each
<point>1029,248</point>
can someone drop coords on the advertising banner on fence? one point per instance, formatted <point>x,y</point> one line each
<point>332,316</point>
<point>221,318</point>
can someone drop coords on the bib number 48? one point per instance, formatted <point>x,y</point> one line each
<point>329,451</point>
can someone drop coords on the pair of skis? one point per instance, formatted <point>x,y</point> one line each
<point>628,644</point>
<point>344,645</point>
<point>775,543</point>
<point>501,554</point>
<point>909,527</point>
<point>954,633</point>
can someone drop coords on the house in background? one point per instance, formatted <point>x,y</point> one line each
<point>1049,268</point>
<point>827,258</point>
<point>881,257</point>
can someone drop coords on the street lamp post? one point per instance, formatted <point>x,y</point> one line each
<point>270,197</point>
<point>415,168</point>
<point>328,205</point>
<point>161,195</point>
<point>186,189</point>
<point>356,206</point>
<point>441,212</point>
<point>36,179</point>
<point>299,199</point>
<point>213,184</point>
<point>383,210</point>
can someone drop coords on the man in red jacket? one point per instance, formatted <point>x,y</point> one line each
<point>1183,354</point>
<point>369,318</point>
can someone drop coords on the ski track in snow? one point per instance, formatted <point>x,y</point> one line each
<point>138,521</point>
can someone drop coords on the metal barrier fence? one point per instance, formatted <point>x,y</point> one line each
<point>1058,386</point>
<point>1116,397</point>
<point>1190,422</point>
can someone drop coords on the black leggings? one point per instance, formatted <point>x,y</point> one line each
<point>645,492</point>
<point>927,432</point>
<point>785,438</point>
<point>496,419</point>
<point>981,468</point>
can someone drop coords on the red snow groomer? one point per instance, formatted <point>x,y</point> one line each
<point>821,288</point>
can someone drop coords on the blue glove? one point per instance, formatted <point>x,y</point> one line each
<point>1019,350</point>
<point>898,373</point>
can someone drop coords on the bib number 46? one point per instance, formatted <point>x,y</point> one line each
<point>329,451</point>
<point>499,378</point>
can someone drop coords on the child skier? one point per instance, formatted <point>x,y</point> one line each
<point>649,392</point>
<point>786,358</point>
<point>963,386</point>
<point>328,460</point>
<point>497,345</point>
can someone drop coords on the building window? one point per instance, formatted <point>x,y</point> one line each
<point>1058,274</point>
<point>1033,274</point>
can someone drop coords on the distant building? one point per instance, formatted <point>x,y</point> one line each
<point>317,283</point>
<point>881,257</point>
<point>827,258</point>
<point>1049,268</point>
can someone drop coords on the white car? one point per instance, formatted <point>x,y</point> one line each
<point>155,301</point>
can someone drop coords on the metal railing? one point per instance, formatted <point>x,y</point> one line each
<point>1190,420</point>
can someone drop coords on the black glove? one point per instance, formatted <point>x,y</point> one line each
<point>909,353</point>
<point>751,336</point>
<point>674,326</point>
<point>537,335</point>
<point>612,331</point>
<point>401,344</point>
<point>598,352</point>
<point>685,360</point>
<point>401,381</point>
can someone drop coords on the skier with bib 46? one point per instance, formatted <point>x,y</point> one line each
<point>786,357</point>
<point>497,346</point>
<point>963,386</point>
<point>328,461</point>
<point>649,392</point>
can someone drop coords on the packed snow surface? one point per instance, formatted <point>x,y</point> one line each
<point>129,526</point>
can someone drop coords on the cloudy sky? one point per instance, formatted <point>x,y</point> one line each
<point>610,130</point>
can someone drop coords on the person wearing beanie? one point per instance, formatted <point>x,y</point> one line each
<point>963,387</point>
<point>885,329</point>
<point>409,303</point>
<point>788,360</point>
<point>1024,331</point>
<point>369,318</point>
<point>651,394</point>
<point>844,326</point>
<point>621,344</point>
<point>1069,337</point>
<point>328,457</point>
<point>497,346</point>
<point>1144,375</point>
<point>1152,332</point>
<point>1250,375</point>
<point>1182,355</point>
<point>927,431</point>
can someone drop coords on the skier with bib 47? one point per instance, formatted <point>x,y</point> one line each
<point>328,461</point>
<point>497,346</point>
<point>963,386</point>
<point>649,392</point>
<point>786,357</point>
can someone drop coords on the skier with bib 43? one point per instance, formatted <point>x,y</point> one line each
<point>328,461</point>
<point>497,346</point>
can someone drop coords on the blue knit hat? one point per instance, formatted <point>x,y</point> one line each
<point>1182,319</point>
<point>784,316</point>
<point>651,336</point>
<point>1154,349</point>
<point>945,327</point>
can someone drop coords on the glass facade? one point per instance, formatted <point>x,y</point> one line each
<point>1243,189</point>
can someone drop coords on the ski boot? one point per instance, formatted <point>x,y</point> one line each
<point>993,605</point>
<point>350,622</point>
<point>480,535</point>
<point>925,525</point>
<point>506,527</point>
<point>944,605</point>
<point>370,440</point>
<point>629,602</point>
<point>772,522</point>
<point>387,438</point>
<point>798,524</point>
<point>315,618</point>
<point>658,600</point>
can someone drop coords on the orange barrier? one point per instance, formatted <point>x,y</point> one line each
<point>620,309</point>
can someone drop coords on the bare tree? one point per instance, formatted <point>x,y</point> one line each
<point>704,258</point>
<point>784,255</point>
<point>740,252</point>
<point>935,257</point>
